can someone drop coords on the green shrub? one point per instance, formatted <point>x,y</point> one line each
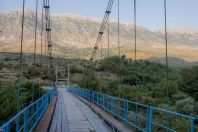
<point>75,69</point>
<point>185,106</point>
<point>189,81</point>
<point>7,59</point>
<point>1,64</point>
<point>196,107</point>
<point>163,89</point>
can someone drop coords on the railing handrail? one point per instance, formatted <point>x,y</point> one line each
<point>155,108</point>
<point>100,100</point>
<point>46,97</point>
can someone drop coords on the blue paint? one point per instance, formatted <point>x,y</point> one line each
<point>193,126</point>
<point>30,120</point>
<point>119,108</point>
<point>150,119</point>
<point>103,101</point>
<point>149,115</point>
<point>147,119</point>
<point>136,113</point>
<point>168,121</point>
<point>26,119</point>
<point>126,113</point>
<point>17,124</point>
<point>112,106</point>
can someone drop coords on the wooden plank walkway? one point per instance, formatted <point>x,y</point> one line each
<point>107,117</point>
<point>72,115</point>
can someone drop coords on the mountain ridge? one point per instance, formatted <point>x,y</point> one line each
<point>78,33</point>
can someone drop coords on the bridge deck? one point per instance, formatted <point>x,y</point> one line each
<point>71,115</point>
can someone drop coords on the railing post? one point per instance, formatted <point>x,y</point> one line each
<point>112,106</point>
<point>150,119</point>
<point>93,95</point>
<point>26,120</point>
<point>89,95</point>
<point>103,101</point>
<point>97,98</point>
<point>147,118</point>
<point>7,128</point>
<point>193,125</point>
<point>43,104</point>
<point>119,109</point>
<point>126,112</point>
<point>168,122</point>
<point>46,101</point>
<point>48,98</point>
<point>136,113</point>
<point>86,95</point>
<point>17,124</point>
<point>37,110</point>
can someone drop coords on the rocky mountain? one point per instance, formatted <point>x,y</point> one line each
<point>74,36</point>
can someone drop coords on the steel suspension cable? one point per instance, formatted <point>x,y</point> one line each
<point>119,28</point>
<point>21,55</point>
<point>35,45</point>
<point>45,48</point>
<point>41,57</point>
<point>108,38</point>
<point>135,31</point>
<point>101,50</point>
<point>119,73</point>
<point>108,54</point>
<point>135,43</point>
<point>101,46</point>
<point>166,43</point>
<point>35,36</point>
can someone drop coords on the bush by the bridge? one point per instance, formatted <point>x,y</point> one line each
<point>185,106</point>
<point>145,81</point>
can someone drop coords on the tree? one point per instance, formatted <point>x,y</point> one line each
<point>90,80</point>
<point>1,64</point>
<point>189,81</point>
<point>162,89</point>
<point>185,106</point>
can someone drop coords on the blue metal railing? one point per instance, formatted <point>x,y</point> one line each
<point>27,119</point>
<point>139,116</point>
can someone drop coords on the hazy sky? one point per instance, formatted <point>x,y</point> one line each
<point>181,13</point>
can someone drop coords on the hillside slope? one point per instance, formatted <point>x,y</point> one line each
<point>74,36</point>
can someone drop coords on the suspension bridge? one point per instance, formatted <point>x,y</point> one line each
<point>68,108</point>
